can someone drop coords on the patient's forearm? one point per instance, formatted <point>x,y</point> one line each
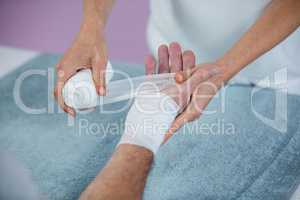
<point>148,119</point>
<point>123,177</point>
<point>278,21</point>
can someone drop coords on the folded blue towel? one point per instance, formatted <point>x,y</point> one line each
<point>229,154</point>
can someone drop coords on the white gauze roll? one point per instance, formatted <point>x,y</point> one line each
<point>148,120</point>
<point>80,92</point>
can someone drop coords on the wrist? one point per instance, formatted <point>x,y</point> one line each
<point>97,11</point>
<point>92,23</point>
<point>90,31</point>
<point>156,112</point>
<point>227,68</point>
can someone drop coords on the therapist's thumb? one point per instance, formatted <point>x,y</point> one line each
<point>182,76</point>
<point>198,74</point>
<point>99,71</point>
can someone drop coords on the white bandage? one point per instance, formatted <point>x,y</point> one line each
<point>149,119</point>
<point>80,92</point>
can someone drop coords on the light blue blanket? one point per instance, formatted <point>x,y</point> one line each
<point>228,154</point>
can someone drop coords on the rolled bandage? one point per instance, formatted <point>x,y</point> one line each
<point>80,92</point>
<point>148,120</point>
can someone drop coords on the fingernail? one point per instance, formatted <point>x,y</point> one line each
<point>102,90</point>
<point>179,78</point>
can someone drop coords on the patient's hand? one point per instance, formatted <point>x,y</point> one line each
<point>170,59</point>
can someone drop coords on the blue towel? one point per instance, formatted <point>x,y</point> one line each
<point>228,154</point>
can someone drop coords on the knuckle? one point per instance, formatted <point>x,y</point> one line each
<point>61,64</point>
<point>99,65</point>
<point>60,73</point>
<point>202,74</point>
<point>65,109</point>
<point>175,126</point>
<point>58,66</point>
<point>194,116</point>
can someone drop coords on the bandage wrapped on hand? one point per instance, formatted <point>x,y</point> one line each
<point>148,120</point>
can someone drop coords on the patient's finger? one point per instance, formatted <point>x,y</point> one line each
<point>150,64</point>
<point>163,59</point>
<point>189,63</point>
<point>188,59</point>
<point>175,57</point>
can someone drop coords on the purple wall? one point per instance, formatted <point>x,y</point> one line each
<point>50,26</point>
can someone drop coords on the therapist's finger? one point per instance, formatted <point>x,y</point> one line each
<point>175,57</point>
<point>182,76</point>
<point>191,113</point>
<point>150,64</point>
<point>163,59</point>
<point>188,59</point>
<point>99,63</point>
<point>61,80</point>
<point>60,100</point>
<point>183,118</point>
<point>200,98</point>
<point>198,76</point>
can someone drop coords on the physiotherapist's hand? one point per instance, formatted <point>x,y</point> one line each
<point>172,59</point>
<point>201,92</point>
<point>87,51</point>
